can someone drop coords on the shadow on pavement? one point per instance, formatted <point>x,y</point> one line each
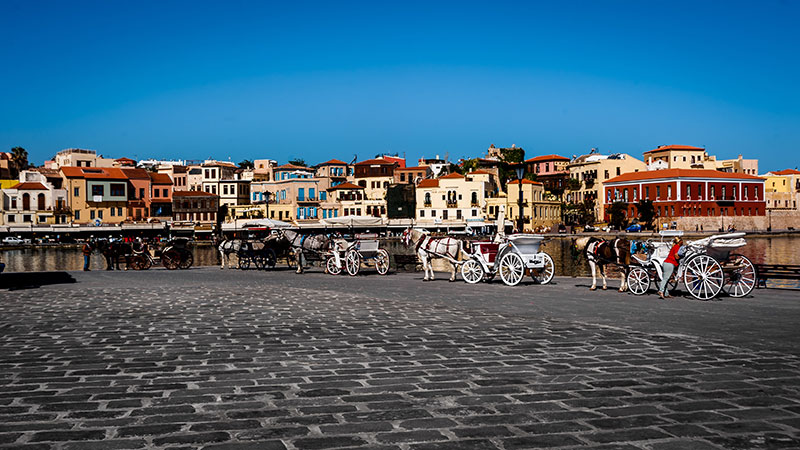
<point>26,280</point>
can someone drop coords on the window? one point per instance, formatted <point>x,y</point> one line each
<point>119,211</point>
<point>311,193</point>
<point>658,192</point>
<point>100,213</point>
<point>402,177</point>
<point>141,193</point>
<point>91,214</point>
<point>606,174</point>
<point>13,218</point>
<point>77,215</point>
<point>618,171</point>
<point>723,192</point>
<point>117,189</point>
<point>700,191</point>
<point>712,191</point>
<point>97,189</point>
<point>688,192</point>
<point>669,192</point>
<point>323,196</point>
<point>647,191</point>
<point>301,194</point>
<point>112,212</point>
<point>76,192</point>
<point>225,189</point>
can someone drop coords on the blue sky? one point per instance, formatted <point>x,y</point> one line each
<point>258,79</point>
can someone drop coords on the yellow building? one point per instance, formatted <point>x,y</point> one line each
<point>538,211</point>
<point>592,170</point>
<point>688,157</point>
<point>96,195</point>
<point>454,199</point>
<point>782,189</point>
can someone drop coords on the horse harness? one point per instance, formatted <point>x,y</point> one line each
<point>593,250</point>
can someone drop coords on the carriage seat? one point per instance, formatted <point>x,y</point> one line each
<point>487,249</point>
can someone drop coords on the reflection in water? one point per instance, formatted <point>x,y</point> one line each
<point>771,250</point>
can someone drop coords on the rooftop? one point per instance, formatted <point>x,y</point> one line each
<point>343,186</point>
<point>193,194</point>
<point>428,183</point>
<point>548,158</point>
<point>662,148</point>
<point>681,173</point>
<point>786,172</point>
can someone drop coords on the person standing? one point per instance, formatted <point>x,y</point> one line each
<point>670,264</point>
<point>87,255</point>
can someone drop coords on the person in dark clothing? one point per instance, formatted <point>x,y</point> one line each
<point>87,255</point>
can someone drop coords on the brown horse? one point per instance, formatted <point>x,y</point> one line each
<point>601,252</point>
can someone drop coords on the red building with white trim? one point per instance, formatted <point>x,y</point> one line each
<point>689,193</point>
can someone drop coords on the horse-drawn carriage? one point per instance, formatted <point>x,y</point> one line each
<point>511,259</point>
<point>351,255</point>
<point>707,267</point>
<point>174,255</point>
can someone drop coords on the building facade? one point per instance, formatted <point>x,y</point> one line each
<point>550,170</point>
<point>97,195</point>
<point>679,193</point>
<point>538,210</point>
<point>590,172</point>
<point>34,201</point>
<point>196,207</point>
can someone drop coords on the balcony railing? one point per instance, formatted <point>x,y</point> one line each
<point>452,204</point>
<point>427,204</point>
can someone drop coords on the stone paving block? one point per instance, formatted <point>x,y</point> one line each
<point>489,432</point>
<point>684,445</point>
<point>541,441</point>
<point>193,438</point>
<point>108,444</point>
<point>58,436</point>
<point>410,436</point>
<point>328,442</point>
<point>628,435</point>
<point>472,444</point>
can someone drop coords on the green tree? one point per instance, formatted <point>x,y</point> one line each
<point>467,166</point>
<point>298,162</point>
<point>510,157</point>
<point>246,164</point>
<point>617,215</point>
<point>19,161</point>
<point>573,184</point>
<point>647,212</point>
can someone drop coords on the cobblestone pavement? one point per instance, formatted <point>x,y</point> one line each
<point>246,360</point>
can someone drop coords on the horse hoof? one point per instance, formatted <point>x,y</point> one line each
<point>592,288</point>
<point>604,288</point>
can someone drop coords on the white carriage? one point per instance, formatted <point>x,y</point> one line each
<point>511,259</point>
<point>351,255</point>
<point>707,267</point>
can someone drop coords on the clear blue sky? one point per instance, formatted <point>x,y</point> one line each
<point>259,79</point>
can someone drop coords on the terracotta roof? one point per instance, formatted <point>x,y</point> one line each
<point>112,173</point>
<point>371,162</point>
<point>451,176</point>
<point>193,194</point>
<point>413,168</point>
<point>674,147</point>
<point>292,167</point>
<point>524,181</point>
<point>160,178</point>
<point>135,173</point>
<point>179,169</point>
<point>786,172</point>
<point>548,158</point>
<point>345,185</point>
<point>480,172</point>
<point>31,186</point>
<point>333,161</point>
<point>427,183</point>
<point>681,173</point>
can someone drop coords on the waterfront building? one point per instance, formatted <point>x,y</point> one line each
<point>538,210</point>
<point>375,176</point>
<point>688,157</point>
<point>350,197</point>
<point>294,193</point>
<point>412,175</point>
<point>178,174</point>
<point>34,201</point>
<point>453,200</point>
<point>78,157</point>
<point>5,166</point>
<point>695,193</point>
<point>138,193</point>
<point>194,207</point>
<point>551,170</point>
<point>591,171</point>
<point>782,189</point>
<point>161,195</point>
<point>97,195</point>
<point>219,178</point>
<point>123,163</point>
<point>335,170</point>
<point>194,177</point>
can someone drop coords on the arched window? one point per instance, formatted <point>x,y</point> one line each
<point>427,199</point>
<point>474,198</point>
<point>26,201</point>
<point>40,202</point>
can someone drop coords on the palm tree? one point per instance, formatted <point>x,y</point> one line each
<point>19,160</point>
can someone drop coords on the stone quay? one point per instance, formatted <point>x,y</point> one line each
<point>227,359</point>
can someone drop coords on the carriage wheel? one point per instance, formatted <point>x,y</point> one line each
<point>545,274</point>
<point>703,277</point>
<point>270,259</point>
<point>382,262</point>
<point>146,262</point>
<point>171,259</point>
<point>638,281</point>
<point>512,269</point>
<point>740,278</point>
<point>352,262</point>
<point>187,259</point>
<point>136,262</point>
<point>290,257</point>
<point>332,267</point>
<point>244,262</point>
<point>258,261</point>
<point>472,271</point>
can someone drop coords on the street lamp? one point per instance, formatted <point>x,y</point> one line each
<point>520,169</point>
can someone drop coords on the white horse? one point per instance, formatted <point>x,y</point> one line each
<point>429,248</point>
<point>316,244</point>
<point>227,248</point>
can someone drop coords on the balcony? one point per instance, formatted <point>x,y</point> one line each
<point>427,204</point>
<point>452,204</point>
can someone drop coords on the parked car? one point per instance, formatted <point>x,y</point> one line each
<point>13,240</point>
<point>634,228</point>
<point>562,228</point>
